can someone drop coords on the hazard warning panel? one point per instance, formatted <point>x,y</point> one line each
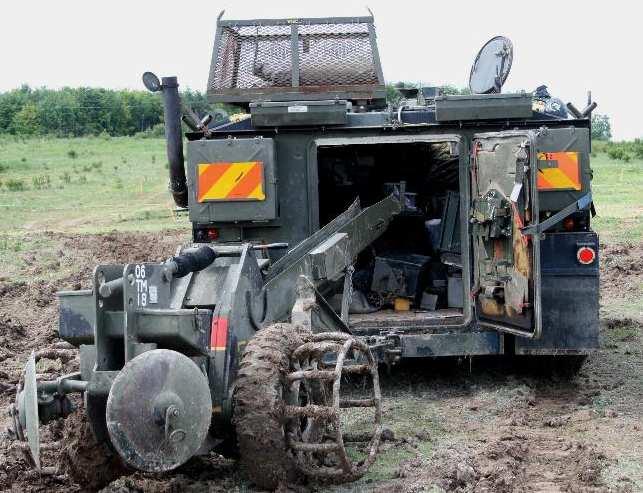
<point>559,171</point>
<point>230,181</point>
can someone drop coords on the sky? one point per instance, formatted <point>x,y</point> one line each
<point>570,46</point>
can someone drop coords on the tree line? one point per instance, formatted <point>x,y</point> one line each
<point>74,112</point>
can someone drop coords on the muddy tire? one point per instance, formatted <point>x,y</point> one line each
<point>88,462</point>
<point>258,406</point>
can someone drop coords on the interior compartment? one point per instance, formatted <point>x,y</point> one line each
<point>412,274</point>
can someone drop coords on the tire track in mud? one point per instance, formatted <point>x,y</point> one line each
<point>551,459</point>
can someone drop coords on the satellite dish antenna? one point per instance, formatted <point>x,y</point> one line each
<point>491,66</point>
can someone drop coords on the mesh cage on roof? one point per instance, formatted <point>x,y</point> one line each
<point>287,59</point>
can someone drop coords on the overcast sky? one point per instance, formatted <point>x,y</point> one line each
<point>571,46</point>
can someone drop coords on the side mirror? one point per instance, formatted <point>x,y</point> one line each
<point>151,82</point>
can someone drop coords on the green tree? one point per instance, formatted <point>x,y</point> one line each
<point>26,121</point>
<point>451,89</point>
<point>69,112</point>
<point>10,104</point>
<point>394,96</point>
<point>601,127</point>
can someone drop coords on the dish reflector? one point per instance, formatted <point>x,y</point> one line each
<point>491,66</point>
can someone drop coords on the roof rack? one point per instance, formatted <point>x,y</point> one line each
<point>295,59</point>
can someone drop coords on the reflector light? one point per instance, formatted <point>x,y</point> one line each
<point>568,224</point>
<point>213,234</point>
<point>585,255</point>
<point>219,334</point>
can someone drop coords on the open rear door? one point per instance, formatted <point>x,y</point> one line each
<point>506,263</point>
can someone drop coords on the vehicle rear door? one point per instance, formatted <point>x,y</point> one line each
<point>506,262</point>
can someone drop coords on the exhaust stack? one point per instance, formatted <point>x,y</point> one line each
<point>174,140</point>
<point>173,134</point>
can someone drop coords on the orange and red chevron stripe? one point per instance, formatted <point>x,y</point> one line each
<point>230,181</point>
<point>558,171</point>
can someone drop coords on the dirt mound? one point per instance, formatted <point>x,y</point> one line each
<point>122,247</point>
<point>16,470</point>
<point>89,463</point>
<point>12,331</point>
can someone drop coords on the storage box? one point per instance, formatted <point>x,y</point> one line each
<point>483,107</point>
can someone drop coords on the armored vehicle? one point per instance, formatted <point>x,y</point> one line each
<point>332,232</point>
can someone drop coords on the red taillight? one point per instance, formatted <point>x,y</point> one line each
<point>586,255</point>
<point>219,334</point>
<point>213,234</point>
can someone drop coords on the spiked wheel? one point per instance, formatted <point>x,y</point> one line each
<point>316,410</point>
<point>288,406</point>
<point>258,406</point>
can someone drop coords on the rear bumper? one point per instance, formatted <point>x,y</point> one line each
<point>570,295</point>
<point>452,344</point>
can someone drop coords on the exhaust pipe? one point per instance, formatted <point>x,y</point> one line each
<point>174,140</point>
<point>173,134</point>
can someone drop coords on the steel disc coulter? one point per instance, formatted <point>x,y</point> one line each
<point>158,410</point>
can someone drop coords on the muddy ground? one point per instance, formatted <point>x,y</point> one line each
<point>481,425</point>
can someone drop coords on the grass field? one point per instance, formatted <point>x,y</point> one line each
<point>84,185</point>
<point>617,188</point>
<point>100,184</point>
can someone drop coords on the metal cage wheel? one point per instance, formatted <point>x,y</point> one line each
<point>314,431</point>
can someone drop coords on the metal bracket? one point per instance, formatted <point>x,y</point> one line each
<point>347,294</point>
<point>313,311</point>
<point>580,204</point>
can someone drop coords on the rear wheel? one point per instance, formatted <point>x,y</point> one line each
<point>258,405</point>
<point>289,413</point>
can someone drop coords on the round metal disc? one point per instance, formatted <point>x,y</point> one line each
<point>28,408</point>
<point>158,410</point>
<point>151,82</point>
<point>491,66</point>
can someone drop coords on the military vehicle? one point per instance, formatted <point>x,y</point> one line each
<point>332,232</point>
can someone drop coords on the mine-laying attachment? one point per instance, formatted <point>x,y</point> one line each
<point>158,410</point>
<point>83,455</point>
<point>314,407</point>
<point>158,350</point>
<point>173,440</point>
